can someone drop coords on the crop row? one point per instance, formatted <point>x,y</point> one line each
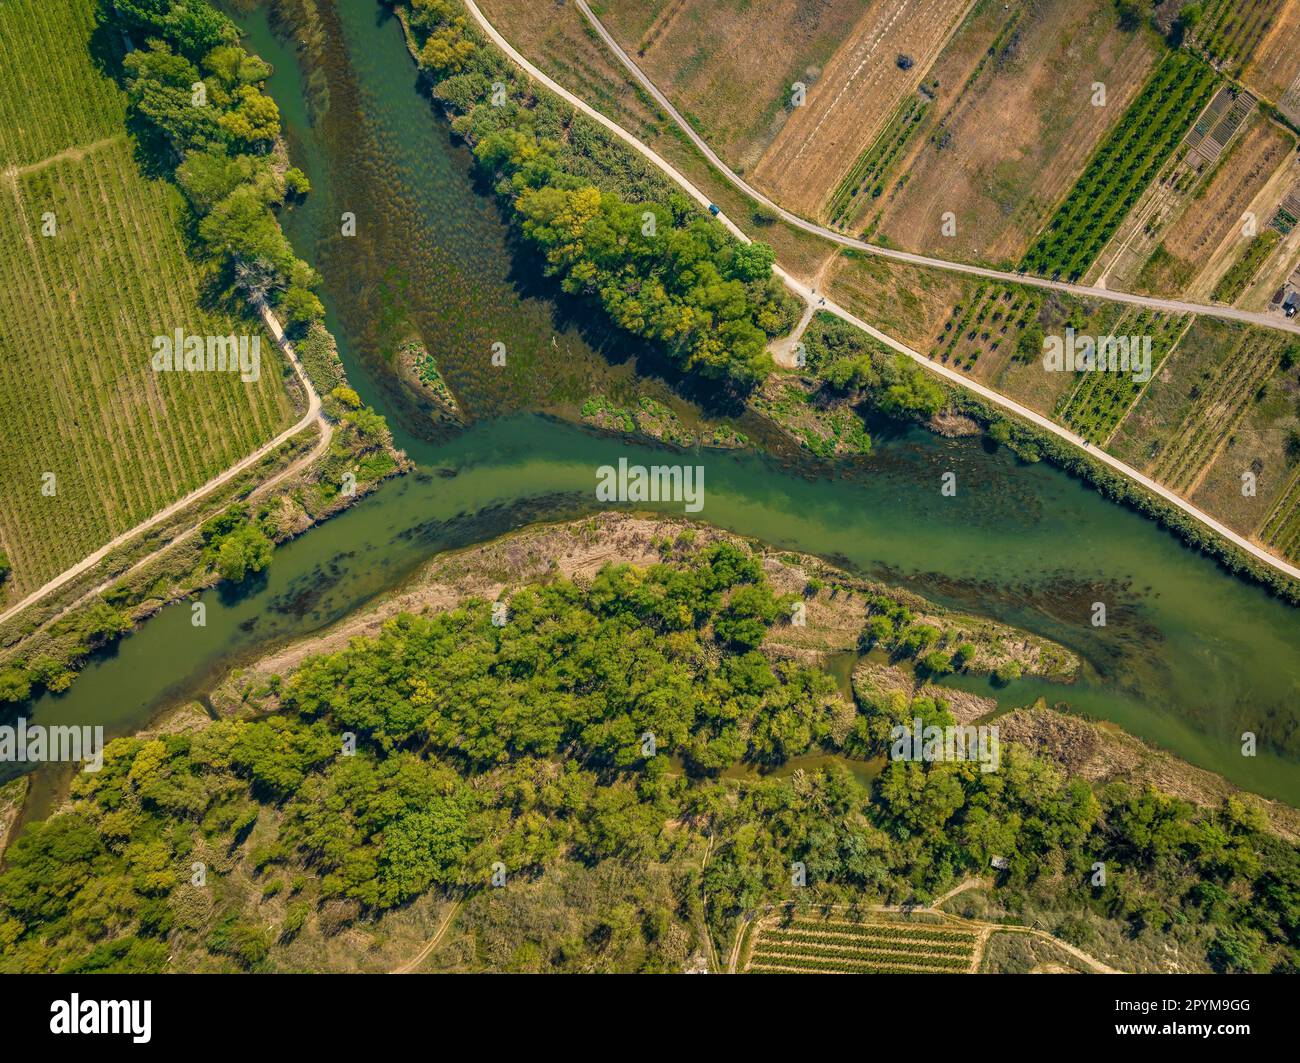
<point>77,392</point>
<point>1281,528</point>
<point>812,961</point>
<point>927,934</point>
<point>997,314</point>
<point>1243,270</point>
<point>1125,164</point>
<point>1230,29</point>
<point>868,945</point>
<point>868,172</point>
<point>1102,399</point>
<point>1216,412</point>
<point>51,95</point>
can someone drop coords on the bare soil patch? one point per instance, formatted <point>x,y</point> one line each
<point>884,58</point>
<point>1011,146</point>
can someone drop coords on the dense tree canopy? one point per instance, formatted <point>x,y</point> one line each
<point>446,746</point>
<point>659,268</point>
<point>197,99</point>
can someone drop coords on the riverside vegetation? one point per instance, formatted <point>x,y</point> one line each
<point>521,749</point>
<point>226,158</point>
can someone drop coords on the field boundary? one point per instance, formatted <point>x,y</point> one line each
<point>313,414</point>
<point>1032,280</point>
<point>951,375</point>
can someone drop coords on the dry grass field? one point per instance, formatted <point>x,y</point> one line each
<point>1008,148</point>
<point>909,303</point>
<point>728,66</point>
<point>880,63</point>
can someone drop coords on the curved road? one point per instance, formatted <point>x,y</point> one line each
<point>313,414</point>
<point>1228,313</point>
<point>1240,541</point>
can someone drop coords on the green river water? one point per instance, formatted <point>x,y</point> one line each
<point>1190,657</point>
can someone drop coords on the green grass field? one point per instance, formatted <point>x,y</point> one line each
<point>79,309</point>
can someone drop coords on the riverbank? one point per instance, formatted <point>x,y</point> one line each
<point>1201,531</point>
<point>835,604</point>
<point>557,791</point>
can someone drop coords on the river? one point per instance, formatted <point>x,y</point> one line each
<point>1189,658</point>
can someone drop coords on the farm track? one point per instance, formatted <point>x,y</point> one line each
<point>1084,291</point>
<point>313,414</point>
<point>1176,306</point>
<point>412,965</point>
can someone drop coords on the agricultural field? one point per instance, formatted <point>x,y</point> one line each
<point>1009,126</point>
<point>997,337</point>
<point>1100,400</point>
<point>63,101</point>
<point>908,303</point>
<point>884,166</point>
<point>880,63</point>
<point>839,944</point>
<point>1230,31</point>
<point>729,67</point>
<point>1202,242</point>
<point>1218,373</point>
<point>1264,442</point>
<point>1255,41</point>
<point>80,307</point>
<point>1124,165</point>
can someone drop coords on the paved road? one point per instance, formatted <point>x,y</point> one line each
<point>313,414</point>
<point>1228,313</point>
<point>808,295</point>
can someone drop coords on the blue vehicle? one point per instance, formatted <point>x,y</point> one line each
<point>713,209</point>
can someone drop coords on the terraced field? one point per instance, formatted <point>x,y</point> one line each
<point>93,267</point>
<point>838,945</point>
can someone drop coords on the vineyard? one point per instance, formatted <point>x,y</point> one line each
<point>61,100</point>
<point>80,308</point>
<point>1101,399</point>
<point>1234,282</point>
<point>838,945</point>
<point>1281,528</point>
<point>1125,164</point>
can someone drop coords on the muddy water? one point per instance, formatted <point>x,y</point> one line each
<point>1189,658</point>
